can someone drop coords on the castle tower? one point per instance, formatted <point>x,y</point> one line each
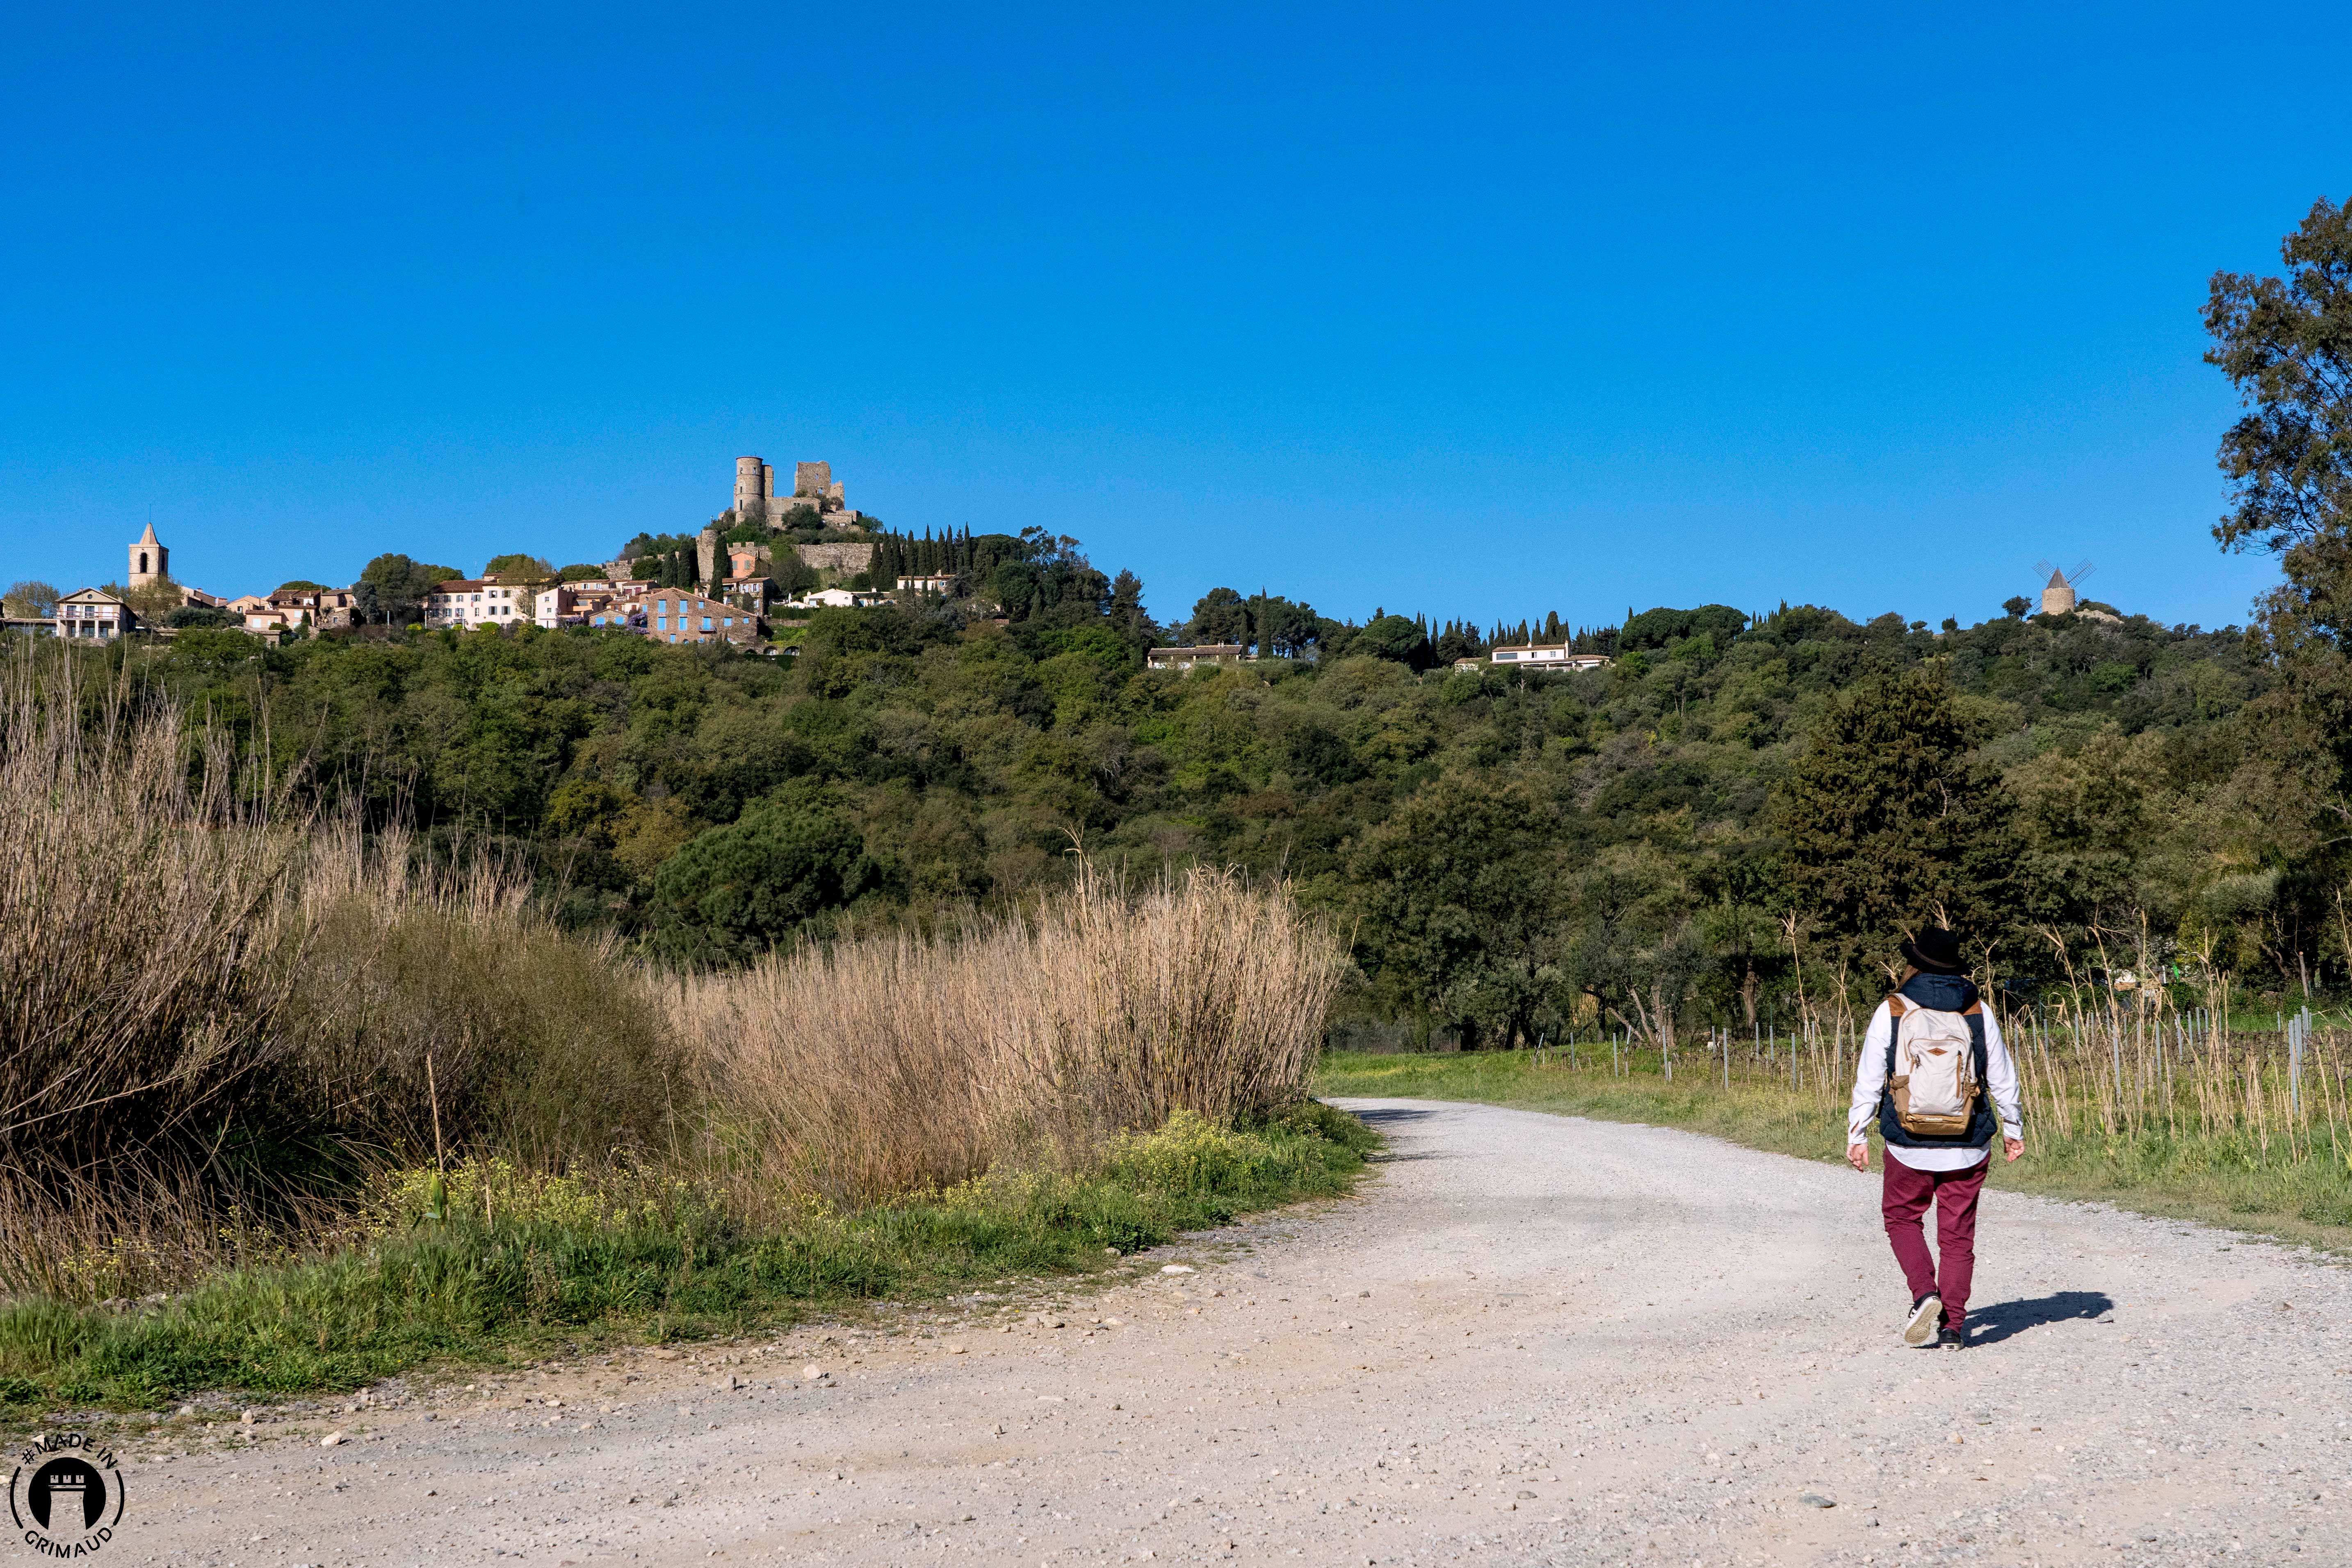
<point>751,489</point>
<point>2058,598</point>
<point>150,560</point>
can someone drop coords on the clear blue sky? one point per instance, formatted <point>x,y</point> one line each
<point>1450,309</point>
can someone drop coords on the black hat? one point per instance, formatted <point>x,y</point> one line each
<point>1937,951</point>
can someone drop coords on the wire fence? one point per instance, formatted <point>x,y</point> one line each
<point>2113,1071</point>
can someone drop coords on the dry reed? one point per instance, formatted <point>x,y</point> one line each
<point>903,1062</point>
<point>141,927</point>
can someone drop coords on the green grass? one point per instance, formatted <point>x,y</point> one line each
<point>2230,1181</point>
<point>568,1265</point>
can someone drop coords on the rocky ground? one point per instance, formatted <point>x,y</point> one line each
<point>1532,1340</point>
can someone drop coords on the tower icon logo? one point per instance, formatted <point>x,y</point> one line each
<point>65,1496</point>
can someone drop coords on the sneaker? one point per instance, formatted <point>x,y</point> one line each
<point>1921,1328</point>
<point>1952,1338</point>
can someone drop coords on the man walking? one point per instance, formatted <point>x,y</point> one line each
<point>1931,1054</point>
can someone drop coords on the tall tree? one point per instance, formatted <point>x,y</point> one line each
<point>2285,343</point>
<point>1219,615</point>
<point>1460,910</point>
<point>33,599</point>
<point>391,588</point>
<point>1892,822</point>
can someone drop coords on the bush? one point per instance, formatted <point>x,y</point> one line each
<point>736,891</point>
<point>541,1046</point>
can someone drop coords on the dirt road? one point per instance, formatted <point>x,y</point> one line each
<point>1532,1340</point>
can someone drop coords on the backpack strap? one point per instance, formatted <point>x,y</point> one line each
<point>1896,1004</point>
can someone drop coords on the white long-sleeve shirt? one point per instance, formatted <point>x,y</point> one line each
<point>1870,1083</point>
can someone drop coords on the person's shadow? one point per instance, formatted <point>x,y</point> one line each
<point>1995,1323</point>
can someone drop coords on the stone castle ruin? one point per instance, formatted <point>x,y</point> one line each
<point>815,500</point>
<point>813,490</point>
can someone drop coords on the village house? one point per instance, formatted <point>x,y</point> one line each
<point>749,593</point>
<point>941,583</point>
<point>681,615</point>
<point>476,602</point>
<point>94,615</point>
<point>314,607</point>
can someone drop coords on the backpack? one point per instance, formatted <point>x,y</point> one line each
<point>1932,1074</point>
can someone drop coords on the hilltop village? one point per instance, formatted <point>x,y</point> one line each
<point>768,559</point>
<point>753,575</point>
<point>749,578</point>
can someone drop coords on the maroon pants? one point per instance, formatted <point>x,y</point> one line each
<point>1953,1193</point>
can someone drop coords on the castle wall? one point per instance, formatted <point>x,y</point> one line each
<point>849,558</point>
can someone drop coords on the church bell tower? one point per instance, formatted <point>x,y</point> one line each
<point>150,560</point>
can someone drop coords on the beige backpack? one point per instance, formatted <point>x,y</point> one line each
<point>1934,1075</point>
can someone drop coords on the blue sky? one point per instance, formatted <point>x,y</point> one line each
<point>1460,310</point>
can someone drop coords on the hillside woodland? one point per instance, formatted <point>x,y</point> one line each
<point>1510,853</point>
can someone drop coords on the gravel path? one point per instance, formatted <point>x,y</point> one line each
<point>1533,1339</point>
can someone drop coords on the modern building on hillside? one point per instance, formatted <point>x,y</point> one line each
<point>1199,653</point>
<point>838,599</point>
<point>94,615</point>
<point>1546,656</point>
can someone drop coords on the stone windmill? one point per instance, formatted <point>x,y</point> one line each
<point>2059,593</point>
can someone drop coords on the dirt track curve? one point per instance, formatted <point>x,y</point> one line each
<point>1532,1340</point>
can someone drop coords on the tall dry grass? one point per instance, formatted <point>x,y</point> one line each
<point>898,1063</point>
<point>217,1015</point>
<point>434,1017</point>
<point>142,929</point>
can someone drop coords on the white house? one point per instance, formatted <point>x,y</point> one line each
<point>837,599</point>
<point>1198,653</point>
<point>476,602</point>
<point>1551,656</point>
